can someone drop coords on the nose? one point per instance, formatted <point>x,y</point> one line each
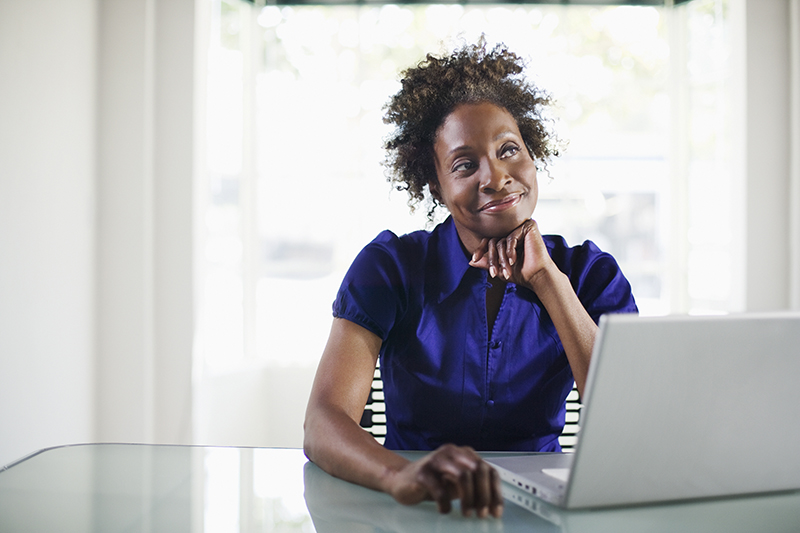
<point>495,177</point>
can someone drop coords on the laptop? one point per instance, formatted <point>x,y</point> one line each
<point>678,408</point>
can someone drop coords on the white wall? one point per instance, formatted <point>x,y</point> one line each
<point>96,162</point>
<point>47,224</point>
<point>794,201</point>
<point>764,149</point>
<point>145,174</point>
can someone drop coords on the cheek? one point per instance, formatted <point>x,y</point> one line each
<point>534,195</point>
<point>450,193</point>
<point>462,197</point>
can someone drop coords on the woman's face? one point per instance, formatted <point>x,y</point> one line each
<point>486,177</point>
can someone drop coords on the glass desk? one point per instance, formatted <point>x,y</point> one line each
<point>143,488</point>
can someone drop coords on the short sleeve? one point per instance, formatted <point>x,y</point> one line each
<point>599,282</point>
<point>373,292</point>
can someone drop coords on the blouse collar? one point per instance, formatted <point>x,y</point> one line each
<point>452,260</point>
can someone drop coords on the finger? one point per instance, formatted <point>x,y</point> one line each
<point>444,505</point>
<point>437,488</point>
<point>502,259</point>
<point>480,251</point>
<point>513,245</point>
<point>533,229</point>
<point>457,466</point>
<point>467,463</point>
<point>511,248</point>
<point>496,500</point>
<point>467,490</point>
<point>443,475</point>
<point>483,489</point>
<point>491,254</point>
<point>534,243</point>
<point>520,238</point>
<point>445,501</point>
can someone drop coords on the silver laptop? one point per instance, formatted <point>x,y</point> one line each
<point>679,408</point>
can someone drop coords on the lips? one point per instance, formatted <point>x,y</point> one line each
<point>501,204</point>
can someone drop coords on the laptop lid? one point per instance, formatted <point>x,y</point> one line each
<point>684,407</point>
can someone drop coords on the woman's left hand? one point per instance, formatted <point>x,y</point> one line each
<point>518,257</point>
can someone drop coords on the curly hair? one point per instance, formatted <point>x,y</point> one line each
<point>431,91</point>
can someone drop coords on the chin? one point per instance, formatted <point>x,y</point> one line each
<point>501,229</point>
<point>513,221</point>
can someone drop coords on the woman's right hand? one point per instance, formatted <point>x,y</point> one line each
<point>448,473</point>
<point>338,445</point>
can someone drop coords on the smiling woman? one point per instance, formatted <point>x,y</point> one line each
<point>482,324</point>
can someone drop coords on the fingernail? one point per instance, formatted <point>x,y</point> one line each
<point>506,274</point>
<point>493,271</point>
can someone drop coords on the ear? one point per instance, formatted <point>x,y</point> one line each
<point>433,186</point>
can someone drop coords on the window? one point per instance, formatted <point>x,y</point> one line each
<point>294,187</point>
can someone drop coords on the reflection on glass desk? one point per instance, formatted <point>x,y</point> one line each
<point>143,488</point>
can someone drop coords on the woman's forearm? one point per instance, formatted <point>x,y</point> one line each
<point>338,445</point>
<point>575,327</point>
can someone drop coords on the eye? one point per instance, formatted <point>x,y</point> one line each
<point>509,150</point>
<point>463,166</point>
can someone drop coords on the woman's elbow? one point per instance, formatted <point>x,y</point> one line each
<point>309,439</point>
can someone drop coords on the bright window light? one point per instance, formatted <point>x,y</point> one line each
<point>294,187</point>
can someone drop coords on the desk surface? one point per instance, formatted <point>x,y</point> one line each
<point>194,489</point>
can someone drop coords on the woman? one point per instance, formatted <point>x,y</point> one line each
<point>481,324</point>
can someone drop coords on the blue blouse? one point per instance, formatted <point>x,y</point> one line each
<point>446,380</point>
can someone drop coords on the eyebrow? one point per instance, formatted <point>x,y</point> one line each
<point>458,149</point>
<point>503,133</point>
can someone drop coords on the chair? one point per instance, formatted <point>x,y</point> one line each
<point>374,417</point>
